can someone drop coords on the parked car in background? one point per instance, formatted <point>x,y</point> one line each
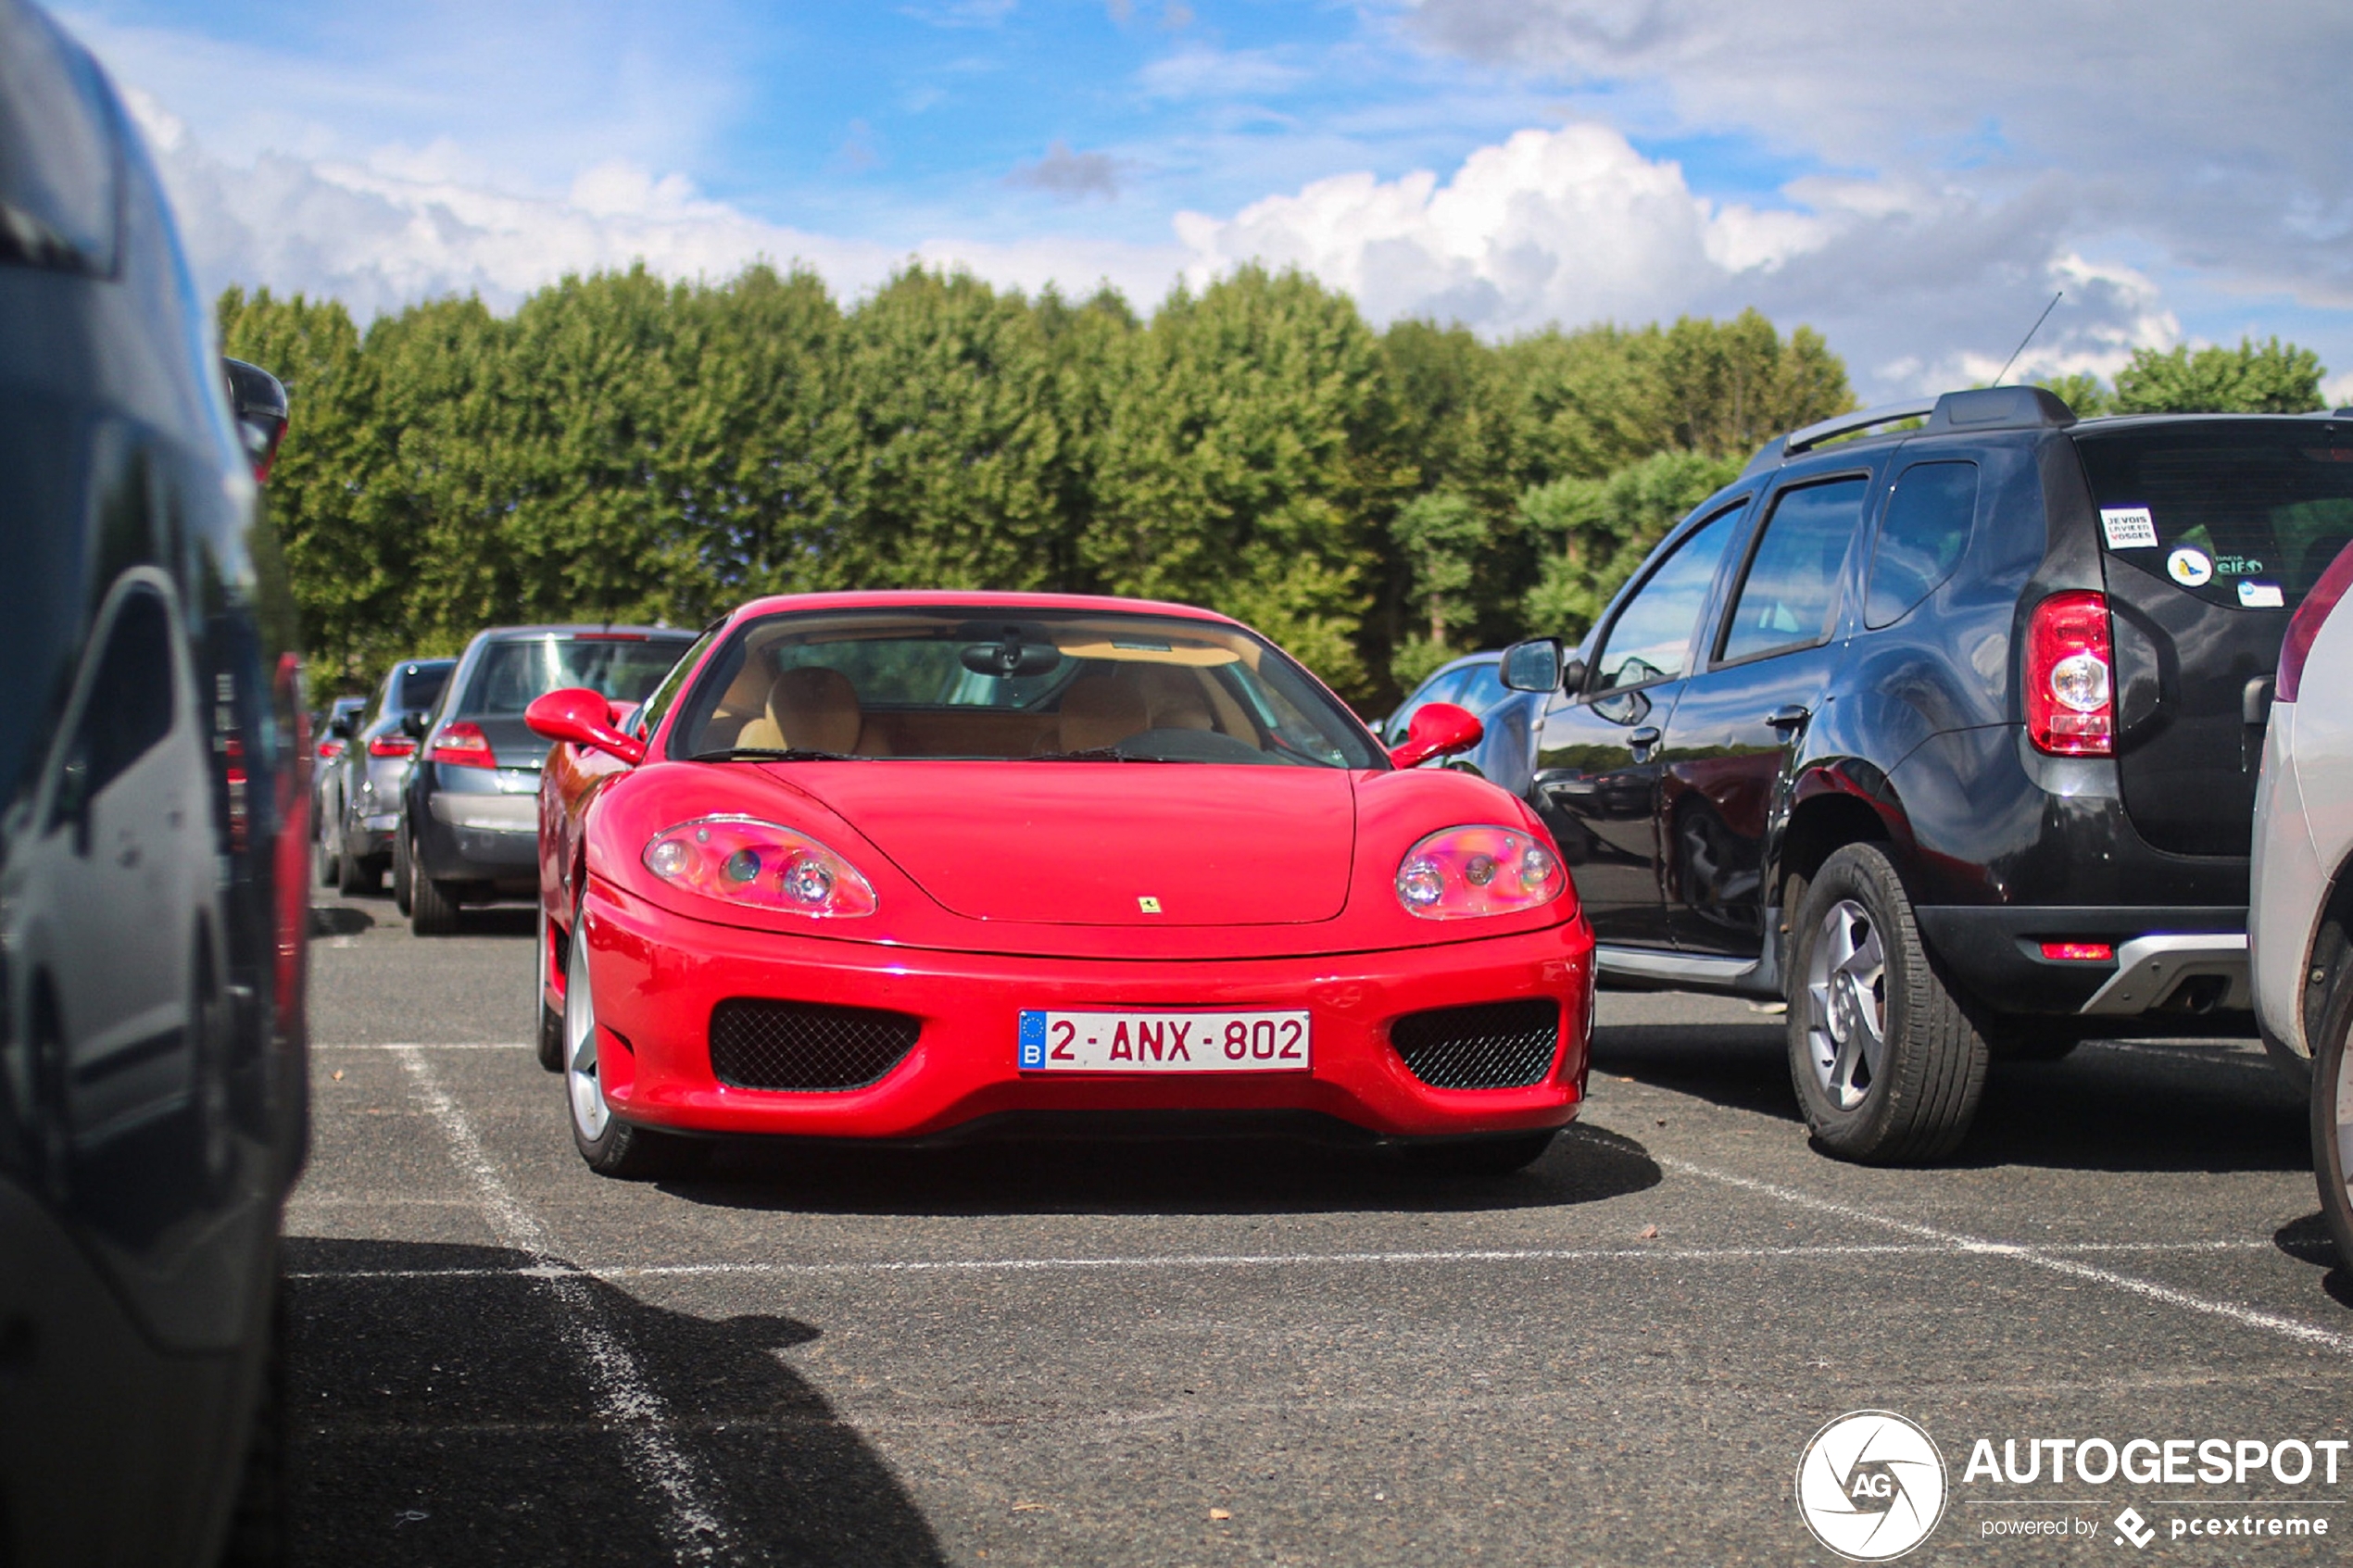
<point>2300,916</point>
<point>468,832</point>
<point>154,801</point>
<point>359,796</point>
<point>331,731</point>
<point>1508,719</point>
<point>1076,942</point>
<point>1949,736</point>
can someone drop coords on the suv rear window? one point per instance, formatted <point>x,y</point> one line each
<point>623,668</point>
<point>2246,514</point>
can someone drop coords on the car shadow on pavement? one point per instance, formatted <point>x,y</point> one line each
<point>1584,1165</point>
<point>442,1411</point>
<point>2109,1106</point>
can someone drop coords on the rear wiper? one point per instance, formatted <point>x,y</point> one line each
<point>770,754</point>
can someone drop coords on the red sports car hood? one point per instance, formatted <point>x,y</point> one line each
<point>1106,843</point>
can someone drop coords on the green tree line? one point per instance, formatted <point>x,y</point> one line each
<point>625,448</point>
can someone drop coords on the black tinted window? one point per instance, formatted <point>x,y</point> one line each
<point>622,668</point>
<point>1790,590</point>
<point>1921,538</point>
<point>130,705</point>
<point>56,150</point>
<point>2248,513</point>
<point>1652,636</point>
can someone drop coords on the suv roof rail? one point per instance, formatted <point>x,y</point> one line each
<point>1984,408</point>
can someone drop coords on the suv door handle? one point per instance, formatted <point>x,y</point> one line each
<point>1787,717</point>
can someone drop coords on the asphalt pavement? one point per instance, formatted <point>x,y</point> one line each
<point>1219,1354</point>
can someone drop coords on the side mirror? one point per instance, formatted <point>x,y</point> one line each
<point>412,724</point>
<point>1533,666</point>
<point>340,726</point>
<point>1439,729</point>
<point>259,400</point>
<point>1572,674</point>
<point>583,718</point>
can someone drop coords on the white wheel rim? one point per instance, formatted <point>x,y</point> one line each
<point>1846,1005</point>
<point>587,1095</point>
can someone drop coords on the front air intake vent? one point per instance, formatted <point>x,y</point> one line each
<point>806,1046</point>
<point>1492,1046</point>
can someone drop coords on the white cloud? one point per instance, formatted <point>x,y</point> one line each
<point>383,233</point>
<point>1198,71</point>
<point>1576,225</point>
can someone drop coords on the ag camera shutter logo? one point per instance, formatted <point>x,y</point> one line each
<point>1870,1485</point>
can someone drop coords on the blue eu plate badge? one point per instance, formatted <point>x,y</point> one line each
<point>1033,1037</point>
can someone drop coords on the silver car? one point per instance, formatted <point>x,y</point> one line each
<point>359,791</point>
<point>2301,898</point>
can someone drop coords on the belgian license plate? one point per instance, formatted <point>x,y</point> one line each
<point>1150,1040</point>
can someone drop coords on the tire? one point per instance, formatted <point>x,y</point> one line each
<point>1888,1068</point>
<point>258,1521</point>
<point>2331,1069</point>
<point>356,874</point>
<point>611,1147</point>
<point>1481,1159</point>
<point>324,861</point>
<point>551,1022</point>
<point>2029,1039</point>
<point>401,876</point>
<point>432,912</point>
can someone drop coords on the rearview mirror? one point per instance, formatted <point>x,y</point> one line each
<point>1011,658</point>
<point>583,718</point>
<point>1438,729</point>
<point>1533,666</point>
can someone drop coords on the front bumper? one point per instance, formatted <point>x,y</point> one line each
<point>658,976</point>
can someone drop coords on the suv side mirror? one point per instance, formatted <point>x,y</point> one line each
<point>412,724</point>
<point>1439,729</point>
<point>1533,665</point>
<point>584,718</point>
<point>340,726</point>
<point>1572,674</point>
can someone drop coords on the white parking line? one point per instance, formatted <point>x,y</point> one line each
<point>694,1525</point>
<point>2040,1257</point>
<point>1260,1260</point>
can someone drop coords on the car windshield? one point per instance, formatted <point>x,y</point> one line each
<point>2248,513</point>
<point>976,682</point>
<point>623,668</point>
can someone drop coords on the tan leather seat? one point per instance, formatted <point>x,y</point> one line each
<point>813,707</point>
<point>1100,710</point>
<point>1174,700</point>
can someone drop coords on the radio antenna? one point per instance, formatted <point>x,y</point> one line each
<point>2030,336</point>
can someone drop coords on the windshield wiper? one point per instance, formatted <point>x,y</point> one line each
<point>770,754</point>
<point>1094,754</point>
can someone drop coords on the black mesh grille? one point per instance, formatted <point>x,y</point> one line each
<point>805,1045</point>
<point>1494,1046</point>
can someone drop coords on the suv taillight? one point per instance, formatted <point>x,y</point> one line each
<point>461,744</point>
<point>2070,691</point>
<point>2305,624</point>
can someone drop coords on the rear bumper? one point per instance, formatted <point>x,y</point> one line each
<point>657,978</point>
<point>466,837</point>
<point>2187,959</point>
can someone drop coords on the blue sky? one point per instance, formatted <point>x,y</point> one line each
<point>1915,186</point>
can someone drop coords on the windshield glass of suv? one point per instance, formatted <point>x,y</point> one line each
<point>987,683</point>
<point>621,668</point>
<point>2244,513</point>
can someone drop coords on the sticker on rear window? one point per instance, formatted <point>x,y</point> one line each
<point>2128,528</point>
<point>2261,595</point>
<point>2190,567</point>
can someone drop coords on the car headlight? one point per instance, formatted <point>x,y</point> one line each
<point>759,865</point>
<point>1459,873</point>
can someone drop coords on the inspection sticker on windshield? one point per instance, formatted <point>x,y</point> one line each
<point>2261,595</point>
<point>1151,1040</point>
<point>2128,528</point>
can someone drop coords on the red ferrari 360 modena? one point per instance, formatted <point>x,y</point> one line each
<point>913,866</point>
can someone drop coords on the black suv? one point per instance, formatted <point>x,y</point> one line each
<point>153,801</point>
<point>1946,733</point>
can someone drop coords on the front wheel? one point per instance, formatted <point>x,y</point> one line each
<point>1888,1068</point>
<point>611,1147</point>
